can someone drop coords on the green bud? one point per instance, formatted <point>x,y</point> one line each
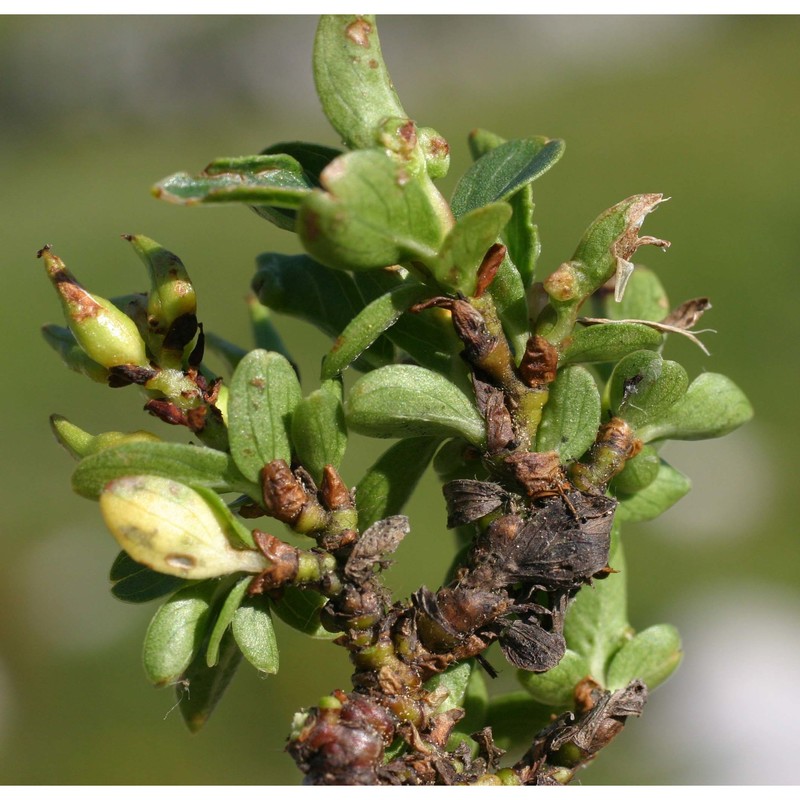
<point>171,292</point>
<point>171,529</point>
<point>107,335</point>
<point>79,443</point>
<point>604,251</point>
<point>71,353</point>
<point>171,303</point>
<point>436,150</point>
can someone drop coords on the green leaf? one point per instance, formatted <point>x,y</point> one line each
<point>372,214</point>
<point>319,432</point>
<point>515,719</point>
<point>427,337</point>
<point>388,483</point>
<point>351,78</point>
<point>299,609</point>
<point>571,418</point>
<point>264,392</point>
<point>503,171</point>
<point>508,293</point>
<point>712,406</point>
<point>639,472</point>
<point>455,679</point>
<point>176,632</point>
<point>644,298</point>
<point>253,632</point>
<point>369,324</point>
<point>596,625</point>
<point>224,619</point>
<point>669,486</point>
<point>237,533</point>
<point>520,235</point>
<point>609,341</point>
<point>265,180</point>
<point>556,687</point>
<point>189,464</point>
<point>304,289</point>
<point>650,656</point>
<point>202,686</point>
<point>456,265</point>
<point>400,400</point>
<point>171,528</point>
<point>643,386</point>
<point>135,583</point>
<point>312,157</point>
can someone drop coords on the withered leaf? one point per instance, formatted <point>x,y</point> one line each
<point>685,316</point>
<point>527,645</point>
<point>558,546</point>
<point>468,500</point>
<point>606,719</point>
<point>380,539</point>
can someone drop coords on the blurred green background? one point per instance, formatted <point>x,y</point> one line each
<point>94,110</point>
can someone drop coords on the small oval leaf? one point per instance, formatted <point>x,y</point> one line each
<point>651,656</point>
<point>371,214</point>
<point>571,418</point>
<point>401,400</point>
<point>224,619</point>
<point>176,632</point>
<point>136,583</point>
<point>712,406</point>
<point>189,464</point>
<point>556,687</point>
<point>351,77</point>
<point>669,486</point>
<point>369,324</point>
<point>503,171</point>
<point>253,632</point>
<point>609,341</point>
<point>456,265</point>
<point>264,392</point>
<point>643,386</point>
<point>319,431</point>
<point>265,180</point>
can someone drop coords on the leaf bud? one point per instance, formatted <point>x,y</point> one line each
<point>171,528</point>
<point>107,335</point>
<point>171,302</point>
<point>79,443</point>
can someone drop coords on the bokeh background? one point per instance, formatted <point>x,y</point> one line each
<point>94,110</point>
